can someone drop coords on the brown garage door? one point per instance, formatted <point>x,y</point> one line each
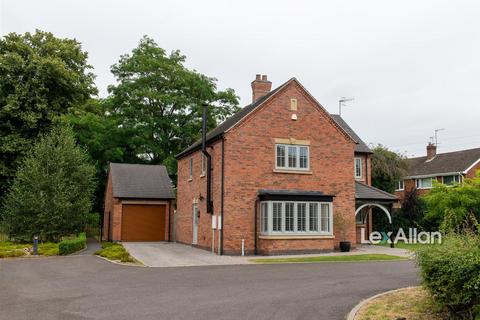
<point>143,222</point>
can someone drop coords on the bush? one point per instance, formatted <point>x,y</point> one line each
<point>451,273</point>
<point>72,245</point>
<point>115,251</point>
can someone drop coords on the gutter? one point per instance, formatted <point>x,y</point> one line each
<point>433,175</point>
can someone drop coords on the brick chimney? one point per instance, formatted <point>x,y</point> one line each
<point>431,151</point>
<point>260,87</point>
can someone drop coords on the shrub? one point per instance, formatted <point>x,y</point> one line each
<point>114,251</point>
<point>451,273</point>
<point>72,245</point>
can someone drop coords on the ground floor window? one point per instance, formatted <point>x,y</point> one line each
<point>296,217</point>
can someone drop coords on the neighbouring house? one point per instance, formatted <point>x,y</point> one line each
<point>448,168</point>
<point>138,203</point>
<point>272,178</point>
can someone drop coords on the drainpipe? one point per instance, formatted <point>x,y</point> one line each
<point>209,160</point>
<point>255,229</point>
<point>221,197</point>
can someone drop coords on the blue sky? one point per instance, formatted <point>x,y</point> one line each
<point>412,66</point>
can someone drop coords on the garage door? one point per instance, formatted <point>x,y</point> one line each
<point>142,222</point>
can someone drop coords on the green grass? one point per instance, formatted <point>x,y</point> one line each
<point>11,250</point>
<point>346,258</point>
<point>116,252</point>
<point>408,246</point>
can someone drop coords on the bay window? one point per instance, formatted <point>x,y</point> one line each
<point>424,183</point>
<point>291,157</point>
<point>296,218</point>
<point>451,180</point>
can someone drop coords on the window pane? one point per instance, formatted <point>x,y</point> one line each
<point>292,157</point>
<point>313,223</point>
<point>325,220</point>
<point>265,217</point>
<point>303,157</point>
<point>426,183</point>
<point>451,180</point>
<point>280,156</point>
<point>289,216</point>
<point>277,216</point>
<point>358,167</point>
<point>301,216</point>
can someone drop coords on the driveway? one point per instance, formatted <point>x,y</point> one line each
<point>170,254</point>
<point>86,287</point>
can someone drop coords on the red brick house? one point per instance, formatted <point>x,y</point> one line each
<point>138,203</point>
<point>448,168</point>
<point>282,170</point>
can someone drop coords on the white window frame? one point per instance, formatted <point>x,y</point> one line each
<point>457,180</point>
<point>191,169</point>
<point>400,185</point>
<point>203,164</point>
<point>420,185</point>
<point>297,157</point>
<point>269,229</point>
<point>358,165</point>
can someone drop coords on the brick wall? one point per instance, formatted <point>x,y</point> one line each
<point>249,166</point>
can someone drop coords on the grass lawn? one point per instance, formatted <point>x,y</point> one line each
<point>411,303</point>
<point>346,258</point>
<point>407,246</point>
<point>116,252</point>
<point>10,249</point>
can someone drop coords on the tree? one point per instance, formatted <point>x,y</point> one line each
<point>388,168</point>
<point>41,77</point>
<point>52,190</point>
<point>157,103</point>
<point>457,207</point>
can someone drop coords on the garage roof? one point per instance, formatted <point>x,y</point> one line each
<point>366,192</point>
<point>140,181</point>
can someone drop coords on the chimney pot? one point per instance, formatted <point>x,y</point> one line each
<point>260,87</point>
<point>431,151</point>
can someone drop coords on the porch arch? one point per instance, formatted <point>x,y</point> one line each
<point>375,205</point>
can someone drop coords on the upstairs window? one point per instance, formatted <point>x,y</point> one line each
<point>291,157</point>
<point>191,169</point>
<point>451,180</point>
<point>358,168</point>
<point>400,185</point>
<point>425,183</point>
<point>204,165</point>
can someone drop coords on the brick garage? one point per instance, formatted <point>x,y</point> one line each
<point>243,152</point>
<point>138,203</point>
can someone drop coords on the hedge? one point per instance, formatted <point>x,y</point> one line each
<point>72,245</point>
<point>451,273</point>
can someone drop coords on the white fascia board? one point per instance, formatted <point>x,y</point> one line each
<point>471,167</point>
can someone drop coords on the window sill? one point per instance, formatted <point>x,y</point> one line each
<point>190,179</point>
<point>295,236</point>
<point>202,175</point>
<point>292,171</point>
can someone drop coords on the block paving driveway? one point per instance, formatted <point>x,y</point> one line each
<point>87,287</point>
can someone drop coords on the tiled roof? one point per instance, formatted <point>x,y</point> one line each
<point>140,181</point>
<point>360,146</point>
<point>366,192</point>
<point>234,119</point>
<point>450,162</point>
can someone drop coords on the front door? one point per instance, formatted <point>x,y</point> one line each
<point>195,224</point>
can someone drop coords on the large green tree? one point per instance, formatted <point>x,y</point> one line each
<point>157,103</point>
<point>455,208</point>
<point>51,195</point>
<point>388,167</point>
<point>41,77</point>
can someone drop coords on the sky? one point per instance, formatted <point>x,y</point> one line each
<point>411,66</point>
